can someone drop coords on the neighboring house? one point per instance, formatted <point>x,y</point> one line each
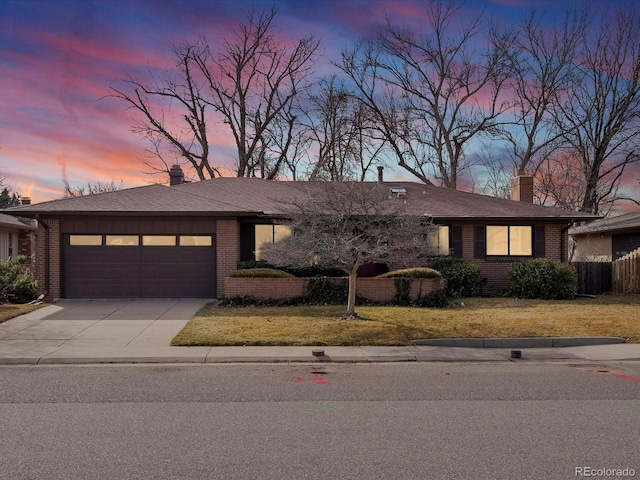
<point>17,238</point>
<point>183,240</point>
<point>605,240</point>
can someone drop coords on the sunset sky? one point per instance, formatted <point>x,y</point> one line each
<point>58,59</point>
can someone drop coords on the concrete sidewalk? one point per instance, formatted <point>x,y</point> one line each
<point>140,331</point>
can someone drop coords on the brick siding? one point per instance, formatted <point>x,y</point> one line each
<point>494,272</point>
<point>27,249</point>
<point>54,259</point>
<point>227,252</point>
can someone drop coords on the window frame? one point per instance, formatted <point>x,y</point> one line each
<point>532,233</point>
<point>447,236</point>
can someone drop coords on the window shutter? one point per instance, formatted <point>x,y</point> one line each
<point>456,241</point>
<point>539,242</point>
<point>480,242</point>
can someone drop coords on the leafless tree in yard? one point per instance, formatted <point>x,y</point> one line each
<point>249,84</point>
<point>600,114</point>
<point>431,93</point>
<point>541,61</point>
<point>346,225</point>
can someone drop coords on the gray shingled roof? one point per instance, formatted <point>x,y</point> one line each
<point>628,221</point>
<point>149,200</point>
<point>424,200</point>
<point>253,196</point>
<point>13,223</point>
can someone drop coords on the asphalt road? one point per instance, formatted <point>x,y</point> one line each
<point>334,421</point>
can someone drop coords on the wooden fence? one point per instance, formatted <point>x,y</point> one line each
<point>594,278</point>
<point>626,273</point>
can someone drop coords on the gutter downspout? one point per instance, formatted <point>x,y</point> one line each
<point>563,253</point>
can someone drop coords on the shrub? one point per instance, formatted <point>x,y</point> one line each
<point>543,279</point>
<point>326,291</point>
<point>16,283</point>
<point>260,273</point>
<point>462,277</point>
<point>420,272</point>
<point>310,271</point>
<point>437,299</point>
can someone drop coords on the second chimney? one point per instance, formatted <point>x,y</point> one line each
<point>25,200</point>
<point>522,188</point>
<point>176,175</point>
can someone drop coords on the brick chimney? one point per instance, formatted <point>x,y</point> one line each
<point>25,200</point>
<point>522,188</point>
<point>380,174</point>
<point>176,175</point>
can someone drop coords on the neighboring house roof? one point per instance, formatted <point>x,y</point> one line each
<point>8,222</point>
<point>619,223</point>
<point>254,196</point>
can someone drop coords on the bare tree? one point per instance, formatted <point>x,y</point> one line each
<point>91,188</point>
<point>600,114</point>
<point>541,63</point>
<point>346,225</point>
<point>250,84</point>
<point>174,115</point>
<point>253,81</point>
<point>342,131</point>
<point>431,93</point>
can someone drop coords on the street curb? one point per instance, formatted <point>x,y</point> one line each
<point>533,342</point>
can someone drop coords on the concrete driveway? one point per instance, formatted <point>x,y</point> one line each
<point>78,331</point>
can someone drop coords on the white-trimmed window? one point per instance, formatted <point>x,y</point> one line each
<point>8,245</point>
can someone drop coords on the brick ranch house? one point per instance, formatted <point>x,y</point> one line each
<point>183,240</point>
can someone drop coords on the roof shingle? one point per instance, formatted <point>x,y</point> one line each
<point>254,196</point>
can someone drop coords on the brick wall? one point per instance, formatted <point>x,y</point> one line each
<point>274,288</point>
<point>26,248</point>
<point>495,271</point>
<point>227,252</point>
<point>54,259</point>
<point>374,289</point>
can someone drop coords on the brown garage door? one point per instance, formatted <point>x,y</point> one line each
<point>138,266</point>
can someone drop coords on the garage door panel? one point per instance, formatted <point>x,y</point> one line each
<point>137,271</point>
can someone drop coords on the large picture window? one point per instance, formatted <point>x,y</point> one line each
<point>269,234</point>
<point>510,240</point>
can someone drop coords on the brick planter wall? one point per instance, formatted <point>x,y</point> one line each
<point>274,288</point>
<point>374,289</point>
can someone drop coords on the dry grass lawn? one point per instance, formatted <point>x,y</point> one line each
<point>617,316</point>
<point>9,311</point>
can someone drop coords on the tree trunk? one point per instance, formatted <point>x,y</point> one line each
<point>351,300</point>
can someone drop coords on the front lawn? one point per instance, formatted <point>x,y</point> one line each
<point>9,311</point>
<point>617,316</point>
